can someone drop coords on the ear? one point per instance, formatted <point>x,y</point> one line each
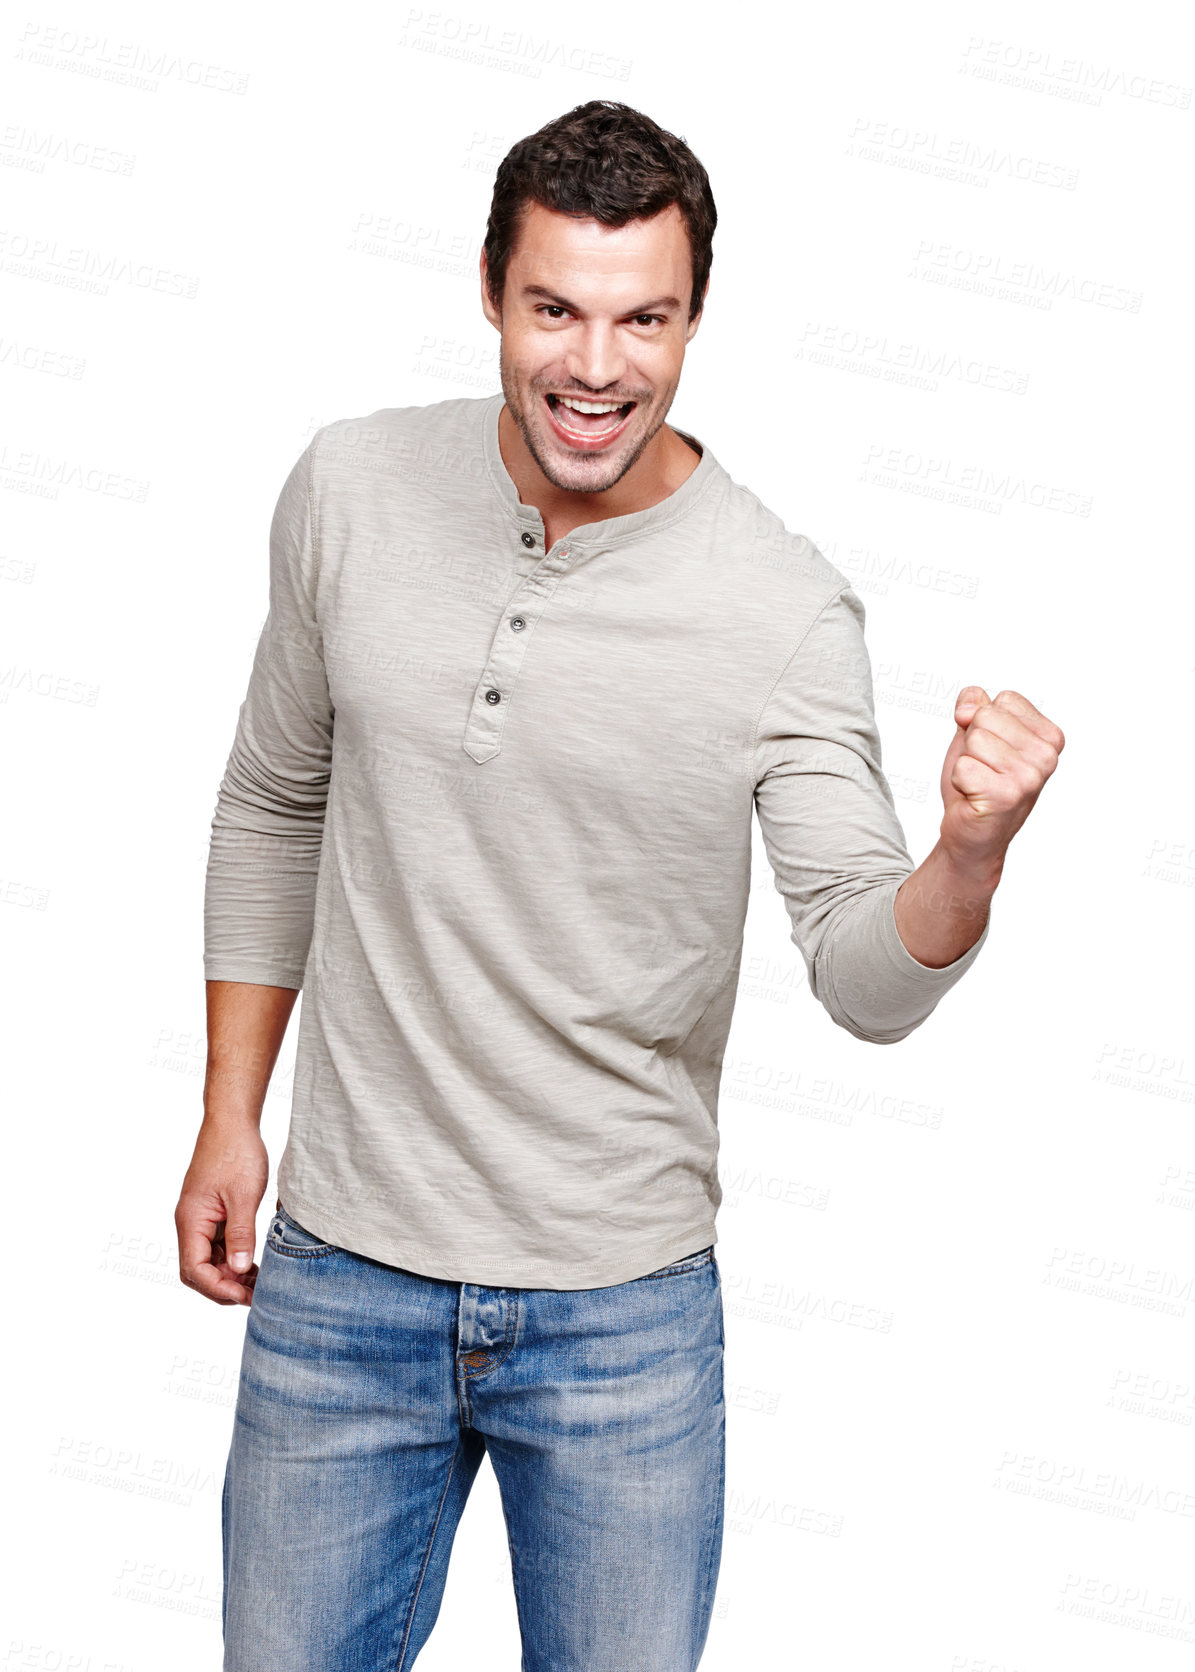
<point>493,314</point>
<point>691,327</point>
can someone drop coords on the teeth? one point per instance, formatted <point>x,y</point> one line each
<point>591,406</point>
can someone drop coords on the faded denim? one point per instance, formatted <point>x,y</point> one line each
<point>368,1396</point>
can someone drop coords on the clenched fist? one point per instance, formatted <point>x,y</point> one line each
<point>1002,753</point>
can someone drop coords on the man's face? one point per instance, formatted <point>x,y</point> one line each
<point>598,314</point>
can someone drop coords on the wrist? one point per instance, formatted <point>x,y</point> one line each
<point>230,1119</point>
<point>968,875</point>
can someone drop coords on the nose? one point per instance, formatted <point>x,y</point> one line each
<point>594,357</point>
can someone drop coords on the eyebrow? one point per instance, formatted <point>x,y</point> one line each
<point>563,301</point>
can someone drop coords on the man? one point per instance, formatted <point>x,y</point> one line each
<point>530,662</point>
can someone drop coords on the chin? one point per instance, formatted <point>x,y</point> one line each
<point>585,475</point>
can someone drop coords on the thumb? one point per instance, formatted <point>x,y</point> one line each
<point>969,699</point>
<point>240,1232</point>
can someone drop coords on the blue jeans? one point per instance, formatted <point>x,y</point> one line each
<point>369,1394</point>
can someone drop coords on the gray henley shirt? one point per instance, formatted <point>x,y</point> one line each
<point>489,807</point>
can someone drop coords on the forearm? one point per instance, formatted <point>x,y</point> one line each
<point>941,909</point>
<point>246,1024</point>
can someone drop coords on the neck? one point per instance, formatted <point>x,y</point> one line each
<point>664,464</point>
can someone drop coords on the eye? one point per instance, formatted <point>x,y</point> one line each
<point>551,308</point>
<point>648,317</point>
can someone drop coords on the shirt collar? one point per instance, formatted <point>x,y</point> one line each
<point>611,531</point>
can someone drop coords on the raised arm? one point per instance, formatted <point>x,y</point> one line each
<point>833,837</point>
<point>997,764</point>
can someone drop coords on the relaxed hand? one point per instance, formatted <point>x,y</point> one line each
<point>217,1211</point>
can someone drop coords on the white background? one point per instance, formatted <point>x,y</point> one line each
<point>948,337</point>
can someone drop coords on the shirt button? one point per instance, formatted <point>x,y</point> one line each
<point>529,539</point>
<point>493,696</point>
<point>517,622</point>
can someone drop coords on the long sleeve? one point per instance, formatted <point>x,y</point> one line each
<point>259,898</point>
<point>833,837</point>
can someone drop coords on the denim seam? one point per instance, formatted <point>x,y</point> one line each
<point>514,1578</point>
<point>712,1543</point>
<point>463,1403</point>
<point>406,1636</point>
<point>710,1583</point>
<point>283,1247</point>
<point>681,1265</point>
<point>460,1379</point>
<point>510,1305</point>
<point>300,1253</point>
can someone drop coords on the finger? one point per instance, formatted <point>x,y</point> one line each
<point>240,1230</point>
<point>216,1282</point>
<point>974,779</point>
<point>1023,743</point>
<point>1010,780</point>
<point>1012,702</point>
<point>992,749</point>
<point>237,1285</point>
<point>201,1260</point>
<point>970,698</point>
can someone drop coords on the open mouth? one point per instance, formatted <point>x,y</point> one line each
<point>587,429</point>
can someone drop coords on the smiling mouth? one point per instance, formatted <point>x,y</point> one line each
<point>587,428</point>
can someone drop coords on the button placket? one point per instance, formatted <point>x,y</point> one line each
<point>491,697</point>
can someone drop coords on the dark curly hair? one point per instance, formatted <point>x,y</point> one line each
<point>605,161</point>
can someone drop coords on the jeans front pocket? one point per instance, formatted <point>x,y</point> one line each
<point>287,1236</point>
<point>691,1262</point>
